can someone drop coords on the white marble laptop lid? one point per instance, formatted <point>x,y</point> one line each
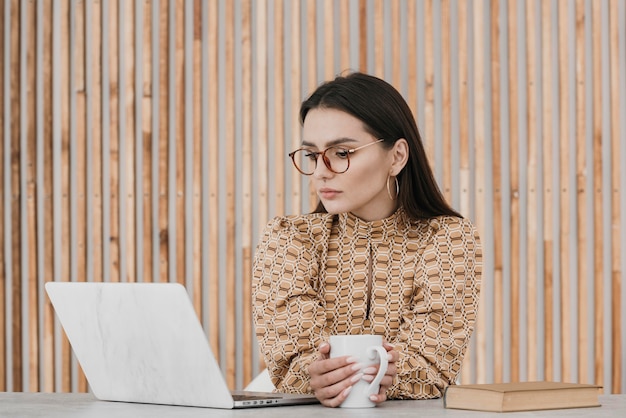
<point>140,342</point>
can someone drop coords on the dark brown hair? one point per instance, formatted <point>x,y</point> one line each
<point>385,114</point>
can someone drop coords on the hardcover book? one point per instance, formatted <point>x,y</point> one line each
<point>521,396</point>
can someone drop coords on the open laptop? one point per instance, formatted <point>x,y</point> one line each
<point>143,342</point>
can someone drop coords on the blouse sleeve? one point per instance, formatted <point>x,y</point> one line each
<point>436,329</point>
<point>288,313</point>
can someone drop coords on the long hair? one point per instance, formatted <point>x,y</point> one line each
<point>385,114</point>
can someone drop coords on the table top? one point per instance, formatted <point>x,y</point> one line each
<point>52,405</point>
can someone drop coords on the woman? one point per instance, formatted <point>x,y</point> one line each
<point>383,254</point>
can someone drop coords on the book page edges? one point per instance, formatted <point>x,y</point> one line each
<point>479,399</point>
<point>524,386</point>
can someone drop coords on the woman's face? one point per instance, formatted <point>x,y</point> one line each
<point>362,189</point>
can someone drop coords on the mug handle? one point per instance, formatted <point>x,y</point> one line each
<point>372,351</point>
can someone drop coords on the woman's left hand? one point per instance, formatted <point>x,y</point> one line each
<point>370,373</point>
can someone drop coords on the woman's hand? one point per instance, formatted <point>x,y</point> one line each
<point>370,373</point>
<point>332,378</point>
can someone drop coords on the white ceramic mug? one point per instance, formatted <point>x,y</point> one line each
<point>369,351</point>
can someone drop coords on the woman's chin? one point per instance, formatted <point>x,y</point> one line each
<point>333,208</point>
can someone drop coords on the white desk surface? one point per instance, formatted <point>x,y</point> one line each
<point>53,405</point>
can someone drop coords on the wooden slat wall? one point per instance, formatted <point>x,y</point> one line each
<point>148,140</point>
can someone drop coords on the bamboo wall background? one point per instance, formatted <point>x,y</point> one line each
<point>147,141</point>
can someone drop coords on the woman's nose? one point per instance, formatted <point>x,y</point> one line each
<point>321,169</point>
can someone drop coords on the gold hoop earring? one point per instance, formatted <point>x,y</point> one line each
<point>397,188</point>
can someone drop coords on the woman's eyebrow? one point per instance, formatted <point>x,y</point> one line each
<point>334,142</point>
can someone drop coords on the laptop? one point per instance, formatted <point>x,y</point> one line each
<point>143,342</point>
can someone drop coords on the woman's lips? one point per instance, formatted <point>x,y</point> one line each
<point>328,193</point>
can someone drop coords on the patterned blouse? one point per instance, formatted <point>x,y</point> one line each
<point>311,279</point>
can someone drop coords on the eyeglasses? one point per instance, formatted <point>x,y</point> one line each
<point>336,159</point>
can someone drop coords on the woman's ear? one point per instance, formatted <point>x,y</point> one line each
<point>400,156</point>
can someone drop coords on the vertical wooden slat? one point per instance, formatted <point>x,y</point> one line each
<point>532,114</point>
<point>170,175</point>
<point>598,233</point>
<point>78,153</point>
<point>247,174</point>
<point>464,106</point>
<point>129,96</point>
<point>294,104</point>
<point>113,151</point>
<point>312,78</point>
<point>514,172</point>
<point>146,93</point>
<point>564,203</point>
<point>229,145</point>
<point>278,108</point>
<point>548,193</point>
<point>62,183</point>
<point>163,148</point>
<point>261,108</point>
<point>179,142</point>
<point>411,54</point>
<point>465,174</point>
<point>14,312</point>
<point>429,83</point>
<point>79,91</point>
<point>363,33</point>
<point>212,110</point>
<point>446,105</point>
<point>379,39</point>
<point>480,130</point>
<point>95,164</point>
<point>45,19</point>
<point>39,192</point>
<point>617,351</point>
<point>311,57</point>
<point>197,158</point>
<point>344,36</point>
<point>581,197</point>
<point>203,87</point>
<point>138,165</point>
<point>396,47</point>
<point>187,155</point>
<point>498,236</point>
<point>4,241</point>
<point>329,40</point>
<point>101,145</point>
<point>28,132</point>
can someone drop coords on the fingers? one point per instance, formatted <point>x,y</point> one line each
<point>327,373</point>
<point>333,396</point>
<point>393,354</point>
<point>369,374</point>
<point>371,371</point>
<point>324,348</point>
<point>332,378</point>
<point>379,397</point>
<point>333,369</point>
<point>385,382</point>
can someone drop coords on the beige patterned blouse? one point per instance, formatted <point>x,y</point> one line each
<point>414,282</point>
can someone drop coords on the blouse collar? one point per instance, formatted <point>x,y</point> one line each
<point>379,230</point>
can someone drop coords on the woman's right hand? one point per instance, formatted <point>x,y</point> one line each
<point>332,378</point>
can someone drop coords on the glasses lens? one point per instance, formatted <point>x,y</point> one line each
<point>305,161</point>
<point>338,158</point>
